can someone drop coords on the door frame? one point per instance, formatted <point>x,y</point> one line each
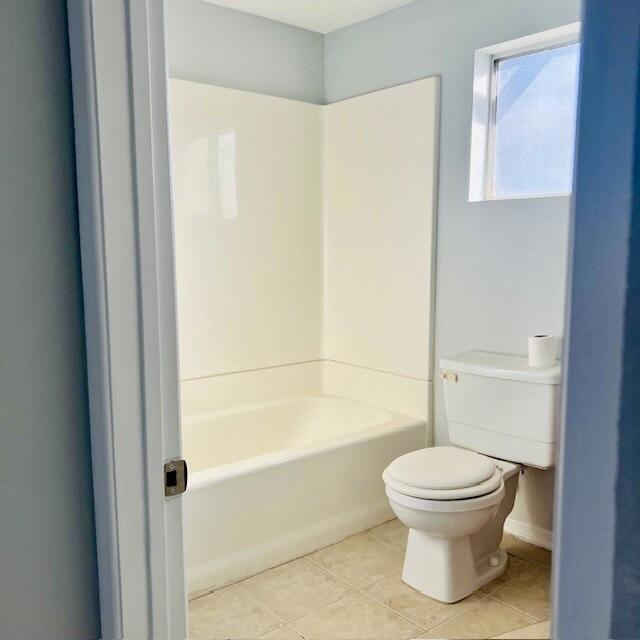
<point>126,237</point>
<point>126,233</point>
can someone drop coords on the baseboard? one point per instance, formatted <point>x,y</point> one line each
<point>529,533</point>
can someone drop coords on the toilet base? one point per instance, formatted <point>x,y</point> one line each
<point>445,569</point>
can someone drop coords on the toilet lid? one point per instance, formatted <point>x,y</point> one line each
<point>443,473</point>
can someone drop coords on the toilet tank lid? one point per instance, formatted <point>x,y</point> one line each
<point>501,365</point>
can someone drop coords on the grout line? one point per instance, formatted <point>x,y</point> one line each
<point>511,581</point>
<point>387,544</point>
<point>518,577</point>
<point>472,606</point>
<point>294,631</point>
<point>457,615</point>
<point>488,596</point>
<point>324,606</point>
<point>263,606</point>
<point>537,563</point>
<point>385,606</point>
<point>350,584</point>
<point>506,604</point>
<point>354,587</point>
<point>351,590</point>
<point>335,575</point>
<point>521,628</point>
<point>200,595</point>
<point>254,599</point>
<point>283,626</point>
<point>245,578</point>
<point>381,579</point>
<point>390,546</point>
<point>384,542</point>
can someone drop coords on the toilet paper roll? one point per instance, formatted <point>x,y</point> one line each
<point>542,351</point>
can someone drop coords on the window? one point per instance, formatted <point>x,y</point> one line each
<point>524,117</point>
<point>534,120</point>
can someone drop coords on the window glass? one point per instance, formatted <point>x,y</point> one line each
<point>535,121</point>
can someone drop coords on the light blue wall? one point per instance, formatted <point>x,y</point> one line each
<point>598,568</point>
<point>48,575</point>
<point>501,265</point>
<point>212,44</point>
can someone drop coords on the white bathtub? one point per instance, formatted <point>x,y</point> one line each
<point>273,481</point>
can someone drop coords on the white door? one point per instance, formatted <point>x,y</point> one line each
<point>120,109</point>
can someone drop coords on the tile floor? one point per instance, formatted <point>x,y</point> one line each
<point>352,590</point>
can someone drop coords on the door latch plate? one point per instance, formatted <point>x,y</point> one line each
<point>175,478</point>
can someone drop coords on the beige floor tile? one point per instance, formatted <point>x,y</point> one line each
<point>393,533</point>
<point>355,617</point>
<point>487,619</point>
<point>525,550</point>
<point>517,566</point>
<point>296,588</point>
<point>281,633</point>
<point>229,613</point>
<point>415,606</point>
<point>529,593</point>
<point>360,560</point>
<point>537,631</point>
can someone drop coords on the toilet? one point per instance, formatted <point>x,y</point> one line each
<point>501,414</point>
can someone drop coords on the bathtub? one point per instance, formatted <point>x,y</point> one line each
<point>273,481</point>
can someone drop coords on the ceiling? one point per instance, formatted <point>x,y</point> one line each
<point>323,16</point>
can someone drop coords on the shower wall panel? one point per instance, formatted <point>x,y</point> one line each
<point>248,224</point>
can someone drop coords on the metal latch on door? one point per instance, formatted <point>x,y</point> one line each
<point>175,477</point>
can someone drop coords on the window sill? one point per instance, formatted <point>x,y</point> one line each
<point>537,196</point>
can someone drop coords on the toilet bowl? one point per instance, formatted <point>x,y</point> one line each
<point>454,503</point>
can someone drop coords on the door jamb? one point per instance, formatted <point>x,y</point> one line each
<point>126,235</point>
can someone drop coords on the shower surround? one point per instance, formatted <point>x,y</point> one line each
<point>304,261</point>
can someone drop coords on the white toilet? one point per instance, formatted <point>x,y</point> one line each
<point>455,499</point>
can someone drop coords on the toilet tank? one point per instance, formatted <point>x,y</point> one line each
<point>498,405</point>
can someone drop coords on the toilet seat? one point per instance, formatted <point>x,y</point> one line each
<point>443,473</point>
<point>446,506</point>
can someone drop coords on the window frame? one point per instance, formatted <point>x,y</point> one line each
<point>483,124</point>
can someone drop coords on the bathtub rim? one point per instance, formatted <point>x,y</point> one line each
<point>210,475</point>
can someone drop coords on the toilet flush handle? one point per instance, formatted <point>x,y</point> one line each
<point>449,376</point>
